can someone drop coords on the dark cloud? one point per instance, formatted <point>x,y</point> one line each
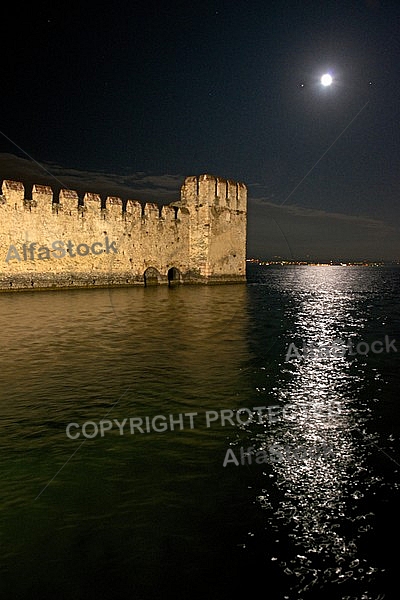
<point>137,186</point>
<point>295,232</point>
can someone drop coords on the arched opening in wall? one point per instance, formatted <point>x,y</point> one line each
<point>174,276</point>
<point>151,276</point>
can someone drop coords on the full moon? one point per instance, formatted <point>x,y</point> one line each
<point>326,79</point>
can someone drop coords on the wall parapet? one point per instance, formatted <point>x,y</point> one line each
<point>196,190</point>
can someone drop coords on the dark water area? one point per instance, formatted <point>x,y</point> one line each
<point>203,442</point>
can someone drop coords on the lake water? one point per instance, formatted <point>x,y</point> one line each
<point>183,496</point>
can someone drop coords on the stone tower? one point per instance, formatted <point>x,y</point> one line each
<point>217,241</point>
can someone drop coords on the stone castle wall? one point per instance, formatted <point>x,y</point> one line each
<point>48,242</point>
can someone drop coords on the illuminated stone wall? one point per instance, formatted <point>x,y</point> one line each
<point>48,242</point>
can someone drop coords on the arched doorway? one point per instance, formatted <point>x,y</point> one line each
<point>174,276</point>
<point>151,276</point>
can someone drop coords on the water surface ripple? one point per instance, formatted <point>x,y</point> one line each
<point>155,513</point>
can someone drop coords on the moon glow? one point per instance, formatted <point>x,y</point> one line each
<point>326,79</point>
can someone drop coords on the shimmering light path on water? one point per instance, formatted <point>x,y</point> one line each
<point>156,514</point>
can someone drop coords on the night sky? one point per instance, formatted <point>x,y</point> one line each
<point>129,98</point>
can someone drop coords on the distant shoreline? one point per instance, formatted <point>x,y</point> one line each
<point>332,263</point>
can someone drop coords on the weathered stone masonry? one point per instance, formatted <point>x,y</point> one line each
<point>64,242</point>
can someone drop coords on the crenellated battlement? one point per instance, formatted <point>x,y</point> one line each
<point>201,237</point>
<point>202,190</point>
<point>214,191</point>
